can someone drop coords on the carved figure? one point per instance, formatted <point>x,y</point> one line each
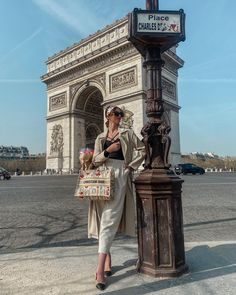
<point>127,120</point>
<point>56,144</point>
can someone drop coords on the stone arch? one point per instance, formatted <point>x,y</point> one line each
<point>88,119</point>
<point>83,88</point>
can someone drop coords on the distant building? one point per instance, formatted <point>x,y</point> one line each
<point>211,155</point>
<point>203,157</point>
<point>36,156</point>
<point>196,155</point>
<point>12,152</point>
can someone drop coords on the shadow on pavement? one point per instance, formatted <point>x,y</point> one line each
<point>204,263</point>
<point>54,231</point>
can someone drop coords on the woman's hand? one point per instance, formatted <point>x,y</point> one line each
<point>113,147</point>
<point>129,168</point>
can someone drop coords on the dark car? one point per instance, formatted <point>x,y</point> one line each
<point>188,168</point>
<point>4,174</point>
<point>18,171</point>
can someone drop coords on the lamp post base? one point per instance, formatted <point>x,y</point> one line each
<point>163,273</point>
<point>160,223</point>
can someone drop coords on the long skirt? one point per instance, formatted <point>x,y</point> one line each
<point>109,213</point>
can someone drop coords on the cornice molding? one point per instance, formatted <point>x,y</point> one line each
<point>171,106</point>
<point>170,55</point>
<point>93,44</point>
<point>124,97</point>
<point>109,58</point>
<point>58,116</point>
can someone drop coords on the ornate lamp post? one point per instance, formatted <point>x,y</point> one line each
<point>152,5</point>
<point>159,205</point>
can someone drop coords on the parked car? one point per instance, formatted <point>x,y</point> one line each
<point>4,174</point>
<point>18,171</point>
<point>188,168</point>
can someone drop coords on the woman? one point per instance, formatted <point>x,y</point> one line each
<point>114,147</point>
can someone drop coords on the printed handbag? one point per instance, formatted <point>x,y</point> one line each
<point>98,184</point>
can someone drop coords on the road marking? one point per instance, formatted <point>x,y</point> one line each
<point>208,243</point>
<point>215,268</point>
<point>209,183</point>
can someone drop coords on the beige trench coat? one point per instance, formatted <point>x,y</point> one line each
<point>134,153</point>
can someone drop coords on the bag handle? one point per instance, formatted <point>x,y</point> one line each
<point>104,166</point>
<point>93,167</point>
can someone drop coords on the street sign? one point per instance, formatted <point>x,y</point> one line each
<point>156,28</point>
<point>160,23</point>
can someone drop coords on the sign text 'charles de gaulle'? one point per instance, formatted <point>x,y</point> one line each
<point>159,23</point>
<point>162,28</point>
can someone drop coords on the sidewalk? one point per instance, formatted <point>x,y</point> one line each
<point>71,270</point>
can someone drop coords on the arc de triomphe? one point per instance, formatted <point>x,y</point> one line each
<point>83,79</point>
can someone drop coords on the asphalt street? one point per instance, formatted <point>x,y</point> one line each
<point>40,211</point>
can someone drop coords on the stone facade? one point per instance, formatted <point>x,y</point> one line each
<point>100,70</point>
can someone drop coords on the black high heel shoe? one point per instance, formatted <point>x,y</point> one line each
<point>101,286</point>
<point>108,273</point>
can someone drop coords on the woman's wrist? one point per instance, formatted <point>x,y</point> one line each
<point>106,153</point>
<point>130,168</point>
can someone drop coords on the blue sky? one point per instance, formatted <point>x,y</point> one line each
<point>33,30</point>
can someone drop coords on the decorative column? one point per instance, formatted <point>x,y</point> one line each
<point>159,205</point>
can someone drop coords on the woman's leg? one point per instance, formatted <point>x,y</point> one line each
<point>108,262</point>
<point>100,268</point>
<point>110,219</point>
<point>112,210</point>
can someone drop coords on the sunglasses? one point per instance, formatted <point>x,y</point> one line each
<point>117,114</point>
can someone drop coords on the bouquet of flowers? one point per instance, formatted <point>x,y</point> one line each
<point>85,158</point>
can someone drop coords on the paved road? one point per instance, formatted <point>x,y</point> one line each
<point>209,205</point>
<point>40,211</point>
